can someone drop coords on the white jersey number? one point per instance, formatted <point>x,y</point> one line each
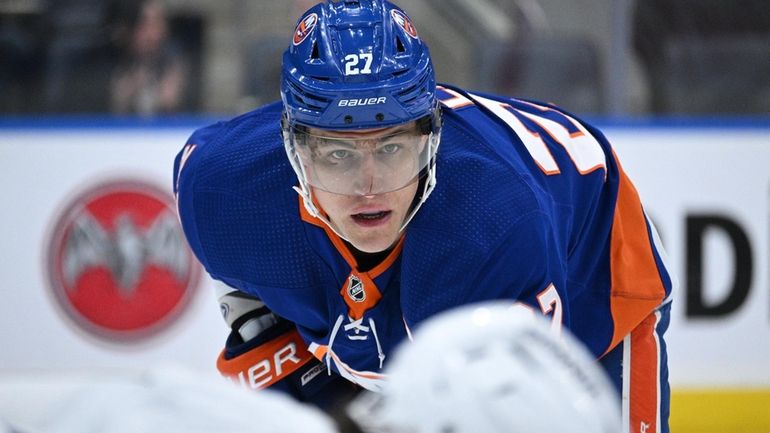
<point>585,152</point>
<point>550,303</point>
<point>352,62</point>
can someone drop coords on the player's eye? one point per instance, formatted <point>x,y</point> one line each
<point>390,148</point>
<point>339,154</point>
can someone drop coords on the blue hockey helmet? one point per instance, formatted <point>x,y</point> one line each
<point>357,65</point>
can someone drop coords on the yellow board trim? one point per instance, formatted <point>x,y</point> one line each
<point>720,411</point>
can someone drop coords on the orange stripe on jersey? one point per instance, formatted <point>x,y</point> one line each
<point>637,288</point>
<point>645,374</point>
<point>267,363</point>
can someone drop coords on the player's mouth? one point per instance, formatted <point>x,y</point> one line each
<point>371,219</point>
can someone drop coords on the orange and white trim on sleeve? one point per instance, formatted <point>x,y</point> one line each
<point>641,378</point>
<point>637,288</point>
<point>268,363</point>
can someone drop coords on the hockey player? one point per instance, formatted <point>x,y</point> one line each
<point>330,256</point>
<point>501,370</point>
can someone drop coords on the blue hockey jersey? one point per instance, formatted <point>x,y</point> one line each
<point>531,204</point>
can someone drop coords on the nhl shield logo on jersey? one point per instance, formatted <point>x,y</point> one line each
<point>304,28</point>
<point>404,22</point>
<point>356,290</point>
<point>118,263</point>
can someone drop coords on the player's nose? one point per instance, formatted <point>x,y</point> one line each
<point>369,177</point>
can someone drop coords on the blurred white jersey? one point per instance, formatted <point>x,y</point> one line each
<point>167,400</point>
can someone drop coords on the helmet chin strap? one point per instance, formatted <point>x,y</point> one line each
<point>429,182</point>
<point>304,187</point>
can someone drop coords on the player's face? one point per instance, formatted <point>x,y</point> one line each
<point>381,169</point>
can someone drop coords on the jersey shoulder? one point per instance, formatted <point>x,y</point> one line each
<point>236,203</point>
<point>484,186</point>
<point>484,202</point>
<point>529,120</point>
<point>222,153</point>
<point>492,202</point>
<point>568,165</point>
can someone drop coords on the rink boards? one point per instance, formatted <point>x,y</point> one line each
<point>706,187</point>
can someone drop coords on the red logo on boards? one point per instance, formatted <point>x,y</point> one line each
<point>118,262</point>
<point>304,28</point>
<point>404,22</point>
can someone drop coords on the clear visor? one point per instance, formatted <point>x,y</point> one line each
<point>361,163</point>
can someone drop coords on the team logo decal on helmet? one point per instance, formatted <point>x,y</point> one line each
<point>356,289</point>
<point>304,28</point>
<point>118,262</point>
<point>404,22</point>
